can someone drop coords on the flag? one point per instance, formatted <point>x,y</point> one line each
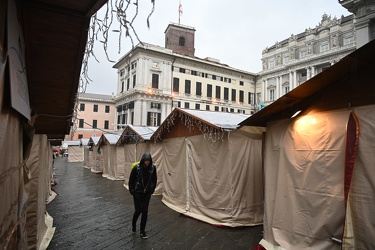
<point>180,9</point>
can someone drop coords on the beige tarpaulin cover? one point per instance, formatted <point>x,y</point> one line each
<point>38,187</point>
<point>84,144</point>
<point>304,182</point>
<point>96,160</point>
<point>134,152</point>
<point>120,163</point>
<point>111,169</point>
<point>156,151</point>
<point>129,157</point>
<point>12,194</point>
<point>94,157</point>
<point>108,149</point>
<point>75,153</point>
<point>218,182</point>
<point>86,157</point>
<point>361,206</point>
<point>105,152</point>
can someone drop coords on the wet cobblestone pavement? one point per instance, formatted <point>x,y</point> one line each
<point>92,212</point>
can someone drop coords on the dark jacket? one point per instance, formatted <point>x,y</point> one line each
<point>143,179</point>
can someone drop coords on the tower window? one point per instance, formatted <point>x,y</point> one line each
<point>181,41</point>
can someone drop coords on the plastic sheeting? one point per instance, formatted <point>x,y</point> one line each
<point>217,182</point>
<point>304,183</point>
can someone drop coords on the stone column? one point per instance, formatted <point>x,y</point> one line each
<point>308,73</point>
<point>291,80</point>
<point>265,90</point>
<point>312,71</point>
<point>277,90</point>
<point>295,79</point>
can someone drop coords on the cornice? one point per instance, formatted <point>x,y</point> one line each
<point>136,95</point>
<point>309,61</point>
<point>95,100</point>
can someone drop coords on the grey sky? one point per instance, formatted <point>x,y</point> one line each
<point>235,32</point>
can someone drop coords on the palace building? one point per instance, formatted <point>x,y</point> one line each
<point>294,60</point>
<point>153,79</point>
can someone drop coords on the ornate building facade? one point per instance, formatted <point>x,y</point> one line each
<point>294,60</point>
<point>364,24</point>
<point>153,79</point>
<point>291,62</point>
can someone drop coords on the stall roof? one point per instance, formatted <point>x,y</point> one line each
<point>67,144</point>
<point>84,141</point>
<point>112,139</point>
<point>220,119</point>
<point>55,35</point>
<point>187,122</point>
<point>134,133</point>
<point>348,83</point>
<point>94,140</point>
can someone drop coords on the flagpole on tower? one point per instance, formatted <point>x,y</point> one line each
<point>179,12</point>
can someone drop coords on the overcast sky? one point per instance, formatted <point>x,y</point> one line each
<point>235,32</point>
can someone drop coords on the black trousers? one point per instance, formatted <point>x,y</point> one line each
<point>141,202</point>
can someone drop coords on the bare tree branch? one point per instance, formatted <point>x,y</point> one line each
<point>99,30</point>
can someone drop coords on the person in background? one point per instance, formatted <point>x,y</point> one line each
<point>142,184</point>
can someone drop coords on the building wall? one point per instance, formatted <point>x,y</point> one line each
<point>291,62</point>
<point>173,35</point>
<point>364,24</point>
<point>187,71</point>
<point>86,128</point>
<point>144,102</point>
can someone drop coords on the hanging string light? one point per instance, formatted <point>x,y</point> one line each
<point>119,16</point>
<point>191,123</point>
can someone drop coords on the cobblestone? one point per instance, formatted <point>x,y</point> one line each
<point>92,212</point>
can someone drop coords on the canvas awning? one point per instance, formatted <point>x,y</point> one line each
<point>55,35</point>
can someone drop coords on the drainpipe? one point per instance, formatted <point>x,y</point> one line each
<point>172,83</point>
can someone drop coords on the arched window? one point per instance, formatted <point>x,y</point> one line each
<point>181,41</point>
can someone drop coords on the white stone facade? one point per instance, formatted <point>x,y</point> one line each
<point>291,62</point>
<point>152,80</point>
